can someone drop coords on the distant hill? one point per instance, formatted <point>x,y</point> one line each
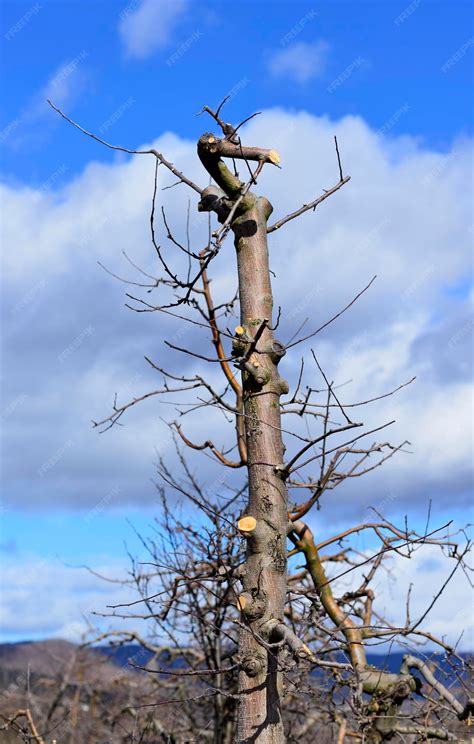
<point>122,655</point>
<point>100,691</point>
<point>48,657</point>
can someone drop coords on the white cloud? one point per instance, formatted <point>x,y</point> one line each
<point>301,61</point>
<point>391,219</point>
<point>425,571</point>
<point>148,26</point>
<point>44,598</point>
<point>63,87</point>
<point>406,215</point>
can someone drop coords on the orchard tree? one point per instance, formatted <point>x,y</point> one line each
<point>280,652</point>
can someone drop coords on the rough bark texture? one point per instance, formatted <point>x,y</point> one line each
<point>264,575</point>
<point>264,580</point>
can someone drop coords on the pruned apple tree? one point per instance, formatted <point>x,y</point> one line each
<point>270,649</point>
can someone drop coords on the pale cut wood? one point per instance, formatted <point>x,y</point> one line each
<point>247,524</point>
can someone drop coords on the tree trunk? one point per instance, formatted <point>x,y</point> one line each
<point>264,575</point>
<point>264,580</point>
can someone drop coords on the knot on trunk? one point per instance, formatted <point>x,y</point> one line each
<point>252,607</point>
<point>276,350</point>
<point>253,664</point>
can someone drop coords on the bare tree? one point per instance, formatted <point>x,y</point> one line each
<point>253,620</point>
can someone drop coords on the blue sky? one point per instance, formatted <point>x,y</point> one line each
<point>392,79</point>
<point>398,50</point>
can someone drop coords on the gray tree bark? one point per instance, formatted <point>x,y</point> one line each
<point>264,575</point>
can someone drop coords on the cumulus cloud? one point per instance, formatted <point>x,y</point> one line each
<point>71,344</point>
<point>421,576</point>
<point>147,26</point>
<point>63,86</point>
<point>44,598</point>
<point>301,61</point>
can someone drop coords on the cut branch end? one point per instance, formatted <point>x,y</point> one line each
<point>247,524</point>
